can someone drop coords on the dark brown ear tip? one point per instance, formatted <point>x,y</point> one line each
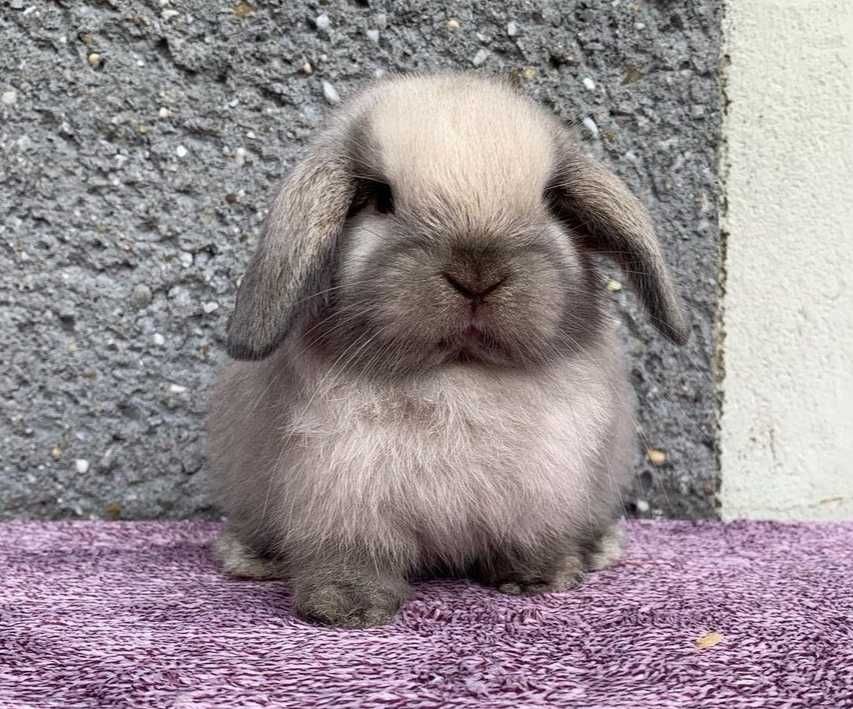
<point>241,349</point>
<point>679,337</point>
<point>677,331</point>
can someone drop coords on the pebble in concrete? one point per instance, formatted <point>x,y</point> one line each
<point>591,126</point>
<point>480,57</point>
<point>330,93</point>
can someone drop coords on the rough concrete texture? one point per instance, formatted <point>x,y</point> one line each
<point>787,420</point>
<point>141,142</point>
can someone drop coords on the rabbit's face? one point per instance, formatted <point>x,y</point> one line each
<point>451,253</point>
<point>416,293</point>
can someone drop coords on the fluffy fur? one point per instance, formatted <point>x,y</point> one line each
<point>427,380</point>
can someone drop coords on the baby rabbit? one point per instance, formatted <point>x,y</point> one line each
<point>426,376</point>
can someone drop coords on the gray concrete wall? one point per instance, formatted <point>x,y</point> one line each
<point>140,143</point>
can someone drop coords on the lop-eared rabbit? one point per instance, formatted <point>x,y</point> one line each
<point>426,377</point>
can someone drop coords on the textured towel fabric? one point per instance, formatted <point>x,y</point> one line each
<point>697,615</point>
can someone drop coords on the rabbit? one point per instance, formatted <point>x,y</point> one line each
<point>426,379</point>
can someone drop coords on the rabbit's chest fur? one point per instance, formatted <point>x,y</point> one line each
<point>456,462</point>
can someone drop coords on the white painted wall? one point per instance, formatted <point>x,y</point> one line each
<point>787,420</point>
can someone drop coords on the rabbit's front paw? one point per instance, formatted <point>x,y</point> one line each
<point>568,574</point>
<point>521,577</point>
<point>351,603</point>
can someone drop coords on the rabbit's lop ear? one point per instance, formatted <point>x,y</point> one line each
<point>293,260</point>
<point>610,220</point>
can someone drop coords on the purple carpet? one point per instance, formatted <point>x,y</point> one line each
<point>697,615</point>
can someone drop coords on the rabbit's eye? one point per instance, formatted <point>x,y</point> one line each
<point>372,192</point>
<point>383,198</point>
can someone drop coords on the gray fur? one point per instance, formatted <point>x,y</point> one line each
<point>453,396</point>
<point>306,216</point>
<point>614,222</point>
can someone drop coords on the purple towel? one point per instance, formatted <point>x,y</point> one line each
<point>697,615</point>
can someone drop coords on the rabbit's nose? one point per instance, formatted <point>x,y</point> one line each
<point>474,288</point>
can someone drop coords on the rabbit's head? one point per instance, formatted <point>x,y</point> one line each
<point>445,219</point>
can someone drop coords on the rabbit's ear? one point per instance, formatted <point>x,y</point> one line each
<point>293,261</point>
<point>610,220</point>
